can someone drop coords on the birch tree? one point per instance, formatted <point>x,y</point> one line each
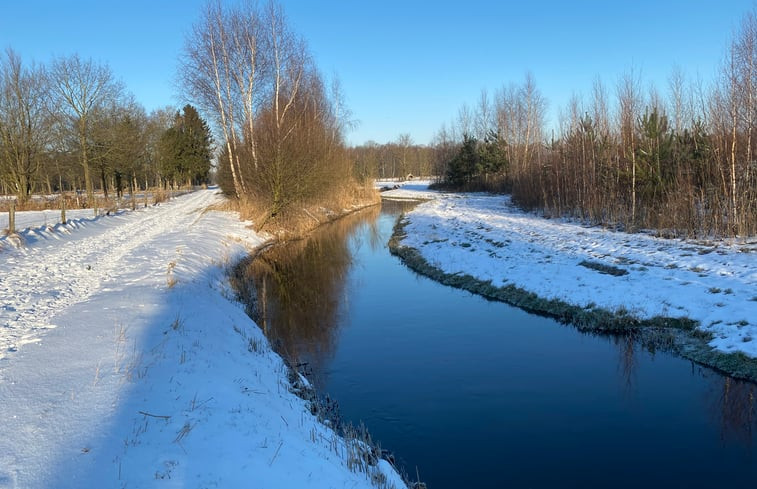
<point>206,73</point>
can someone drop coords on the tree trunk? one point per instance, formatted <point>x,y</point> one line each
<point>12,218</point>
<point>85,167</point>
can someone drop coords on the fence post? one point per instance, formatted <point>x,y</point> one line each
<point>62,209</point>
<point>12,218</point>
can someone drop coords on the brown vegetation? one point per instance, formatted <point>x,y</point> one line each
<point>682,166</point>
<point>281,132</point>
<point>69,126</point>
<point>394,160</point>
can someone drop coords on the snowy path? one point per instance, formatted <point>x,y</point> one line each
<point>58,273</point>
<point>489,238</point>
<point>127,365</point>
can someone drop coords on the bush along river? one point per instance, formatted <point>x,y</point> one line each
<point>473,393</point>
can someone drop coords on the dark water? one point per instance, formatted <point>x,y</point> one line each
<point>480,394</point>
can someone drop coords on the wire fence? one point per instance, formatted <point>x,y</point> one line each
<point>50,210</point>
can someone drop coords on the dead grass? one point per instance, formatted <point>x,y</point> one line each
<point>604,268</point>
<point>301,218</point>
<point>171,279</point>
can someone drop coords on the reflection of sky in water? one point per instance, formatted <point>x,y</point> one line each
<point>477,393</point>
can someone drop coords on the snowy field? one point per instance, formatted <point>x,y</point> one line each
<point>43,219</point>
<point>714,283</point>
<point>406,190</point>
<point>124,362</point>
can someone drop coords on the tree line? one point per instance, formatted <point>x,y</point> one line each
<point>681,162</point>
<point>279,125</point>
<point>70,125</point>
<point>393,160</point>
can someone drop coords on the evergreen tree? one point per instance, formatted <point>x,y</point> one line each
<point>655,171</point>
<point>185,149</point>
<point>492,155</point>
<point>466,164</point>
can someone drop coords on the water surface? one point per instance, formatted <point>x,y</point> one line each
<point>479,394</point>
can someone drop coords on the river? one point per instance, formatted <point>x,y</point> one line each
<point>471,393</point>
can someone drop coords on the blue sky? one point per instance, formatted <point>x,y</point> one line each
<point>405,66</point>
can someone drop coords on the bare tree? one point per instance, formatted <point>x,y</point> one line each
<point>343,116</point>
<point>465,121</point>
<point>404,141</point>
<point>82,87</point>
<point>484,116</point>
<point>742,74</point>
<point>629,101</point>
<point>206,74</point>
<point>280,131</point>
<point>24,123</point>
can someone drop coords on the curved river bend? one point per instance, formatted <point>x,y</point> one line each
<point>479,394</point>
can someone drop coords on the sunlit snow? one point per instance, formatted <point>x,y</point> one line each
<point>486,236</point>
<point>124,362</point>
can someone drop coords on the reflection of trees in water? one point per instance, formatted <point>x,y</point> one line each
<point>294,290</point>
<point>735,407</point>
<point>397,207</point>
<point>730,401</point>
<point>627,361</point>
<point>388,207</point>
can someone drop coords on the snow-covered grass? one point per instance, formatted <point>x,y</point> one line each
<point>43,219</point>
<point>406,189</point>
<point>485,236</point>
<point>125,362</point>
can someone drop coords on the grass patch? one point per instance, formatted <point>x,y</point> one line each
<point>178,323</point>
<point>603,268</point>
<point>498,244</point>
<point>714,290</point>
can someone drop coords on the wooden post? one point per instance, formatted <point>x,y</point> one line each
<point>12,218</point>
<point>62,209</point>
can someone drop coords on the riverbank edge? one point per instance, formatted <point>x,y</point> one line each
<point>676,335</point>
<point>325,409</point>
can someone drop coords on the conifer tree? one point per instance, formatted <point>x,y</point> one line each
<point>185,149</point>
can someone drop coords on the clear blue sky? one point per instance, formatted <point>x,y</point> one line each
<point>405,66</point>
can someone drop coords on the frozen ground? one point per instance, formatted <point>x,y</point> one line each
<point>714,283</point>
<point>406,189</point>
<point>124,363</point>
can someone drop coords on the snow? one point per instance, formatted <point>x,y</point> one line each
<point>125,362</point>
<point>45,218</point>
<point>406,189</point>
<point>714,283</point>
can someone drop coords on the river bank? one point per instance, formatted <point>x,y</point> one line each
<point>698,299</point>
<point>127,362</point>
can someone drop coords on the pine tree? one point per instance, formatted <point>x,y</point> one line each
<point>185,149</point>
<point>466,164</point>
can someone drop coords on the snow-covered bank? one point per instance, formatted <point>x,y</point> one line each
<point>487,237</point>
<point>406,189</point>
<point>125,363</point>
